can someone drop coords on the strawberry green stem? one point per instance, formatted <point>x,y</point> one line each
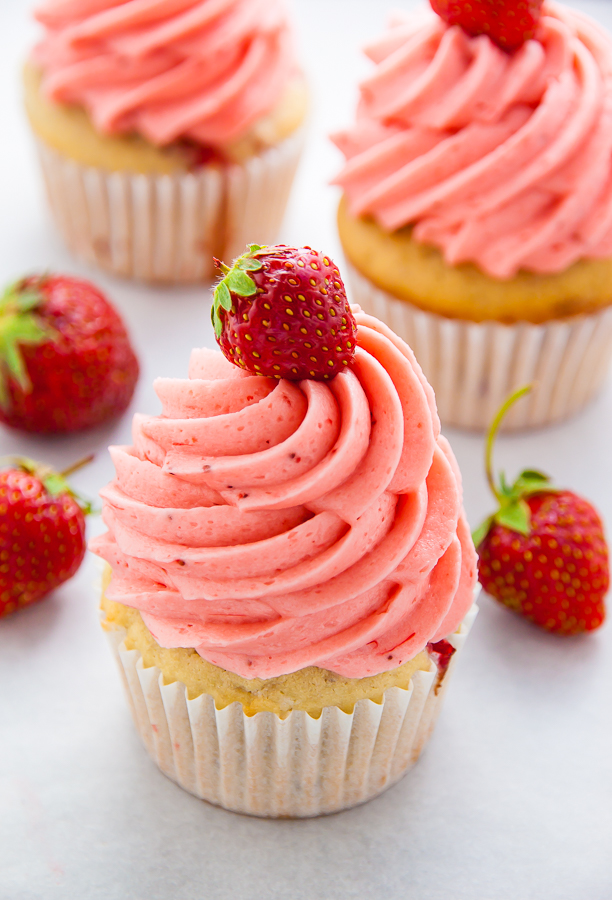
<point>237,281</point>
<point>77,465</point>
<point>492,435</point>
<point>514,512</point>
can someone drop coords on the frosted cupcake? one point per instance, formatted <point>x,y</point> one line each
<point>292,571</point>
<point>168,132</point>
<point>477,210</point>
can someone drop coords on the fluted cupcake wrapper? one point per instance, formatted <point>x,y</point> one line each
<point>296,766</point>
<point>474,366</point>
<point>167,228</point>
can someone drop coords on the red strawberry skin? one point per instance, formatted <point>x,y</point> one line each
<point>85,374</point>
<point>42,540</point>
<point>298,324</point>
<point>507,22</point>
<point>558,575</point>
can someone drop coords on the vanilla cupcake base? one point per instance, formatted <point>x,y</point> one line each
<point>167,228</point>
<point>296,766</point>
<point>474,366</point>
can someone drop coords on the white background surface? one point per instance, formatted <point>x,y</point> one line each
<point>513,798</point>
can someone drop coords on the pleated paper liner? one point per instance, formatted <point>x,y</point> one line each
<point>167,228</point>
<point>297,766</point>
<point>474,366</point>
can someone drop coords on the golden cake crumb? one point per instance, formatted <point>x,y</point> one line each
<point>309,689</point>
<point>418,274</point>
<point>68,130</point>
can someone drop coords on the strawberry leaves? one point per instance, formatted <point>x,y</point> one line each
<point>513,510</point>
<point>236,280</point>
<point>19,326</point>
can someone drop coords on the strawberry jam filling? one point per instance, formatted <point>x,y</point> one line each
<point>441,651</point>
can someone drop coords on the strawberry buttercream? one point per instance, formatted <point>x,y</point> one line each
<point>274,525</point>
<point>206,70</point>
<point>504,160</point>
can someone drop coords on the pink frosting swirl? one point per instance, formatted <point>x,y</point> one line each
<point>274,525</point>
<point>504,160</point>
<point>206,70</point>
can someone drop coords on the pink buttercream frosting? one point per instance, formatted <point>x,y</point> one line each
<point>504,160</point>
<point>274,525</point>
<point>205,70</point>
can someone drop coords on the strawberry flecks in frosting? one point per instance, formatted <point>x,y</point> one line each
<point>203,70</point>
<point>503,160</point>
<point>273,525</point>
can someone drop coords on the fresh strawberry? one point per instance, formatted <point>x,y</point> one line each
<point>66,362</point>
<point>283,312</point>
<point>507,22</point>
<point>543,554</point>
<point>42,533</point>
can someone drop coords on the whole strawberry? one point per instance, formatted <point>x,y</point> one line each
<point>507,22</point>
<point>283,312</point>
<point>543,553</point>
<point>66,362</point>
<point>42,534</point>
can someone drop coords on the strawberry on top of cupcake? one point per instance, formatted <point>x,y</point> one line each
<point>283,312</point>
<point>508,23</point>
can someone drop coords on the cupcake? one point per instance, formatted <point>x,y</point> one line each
<point>477,209</point>
<point>290,572</point>
<point>167,132</point>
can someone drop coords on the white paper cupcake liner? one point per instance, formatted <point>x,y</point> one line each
<point>474,366</point>
<point>298,766</point>
<point>167,228</point>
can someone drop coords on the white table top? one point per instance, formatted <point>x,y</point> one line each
<point>512,799</point>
